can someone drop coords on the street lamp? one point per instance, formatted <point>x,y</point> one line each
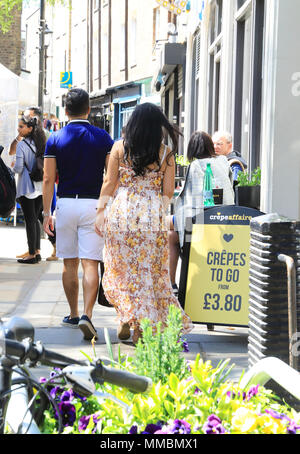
<point>42,56</point>
<point>43,31</point>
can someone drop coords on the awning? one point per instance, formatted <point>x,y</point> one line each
<point>126,99</point>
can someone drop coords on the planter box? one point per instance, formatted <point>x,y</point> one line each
<point>248,196</point>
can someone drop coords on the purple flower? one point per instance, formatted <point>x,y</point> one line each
<point>292,428</point>
<point>84,422</point>
<point>133,430</point>
<point>213,425</point>
<point>67,396</point>
<point>185,346</point>
<point>68,413</point>
<point>232,394</point>
<point>164,431</point>
<point>152,428</point>
<point>276,415</point>
<point>253,391</point>
<point>56,391</point>
<point>179,426</point>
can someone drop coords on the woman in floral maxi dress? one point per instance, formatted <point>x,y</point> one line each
<point>136,279</point>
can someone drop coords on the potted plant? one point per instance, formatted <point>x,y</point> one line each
<point>247,191</point>
<point>181,166</point>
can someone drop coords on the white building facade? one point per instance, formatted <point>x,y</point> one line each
<point>243,76</point>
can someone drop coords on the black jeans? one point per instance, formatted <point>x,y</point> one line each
<point>31,209</point>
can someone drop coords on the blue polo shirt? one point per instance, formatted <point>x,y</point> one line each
<point>80,150</point>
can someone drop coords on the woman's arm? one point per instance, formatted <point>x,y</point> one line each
<point>169,181</point>
<point>20,159</point>
<point>110,182</point>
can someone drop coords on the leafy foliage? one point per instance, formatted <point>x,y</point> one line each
<point>186,397</point>
<point>160,352</point>
<point>182,161</point>
<point>9,7</point>
<point>244,179</point>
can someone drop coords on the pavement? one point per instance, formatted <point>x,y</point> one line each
<point>35,292</point>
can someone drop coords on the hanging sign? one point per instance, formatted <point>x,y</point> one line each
<point>217,288</point>
<point>175,6</point>
<point>66,79</point>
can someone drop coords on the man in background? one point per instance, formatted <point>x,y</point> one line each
<point>223,146</point>
<point>79,152</point>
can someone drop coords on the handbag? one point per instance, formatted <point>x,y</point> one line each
<point>37,172</point>
<point>101,295</point>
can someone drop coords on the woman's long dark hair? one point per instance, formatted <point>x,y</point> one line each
<point>200,146</point>
<point>37,134</point>
<point>144,135</point>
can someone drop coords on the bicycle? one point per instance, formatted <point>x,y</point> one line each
<point>19,389</point>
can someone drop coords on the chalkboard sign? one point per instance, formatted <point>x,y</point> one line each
<point>215,267</point>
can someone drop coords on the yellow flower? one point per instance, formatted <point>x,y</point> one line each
<point>271,425</point>
<point>244,420</point>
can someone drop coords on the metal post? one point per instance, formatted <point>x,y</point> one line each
<point>42,55</point>
<point>292,308</point>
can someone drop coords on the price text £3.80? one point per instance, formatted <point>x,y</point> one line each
<point>229,303</point>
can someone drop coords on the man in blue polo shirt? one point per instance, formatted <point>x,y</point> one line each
<point>79,153</point>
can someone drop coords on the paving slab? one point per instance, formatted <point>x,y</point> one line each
<point>35,292</point>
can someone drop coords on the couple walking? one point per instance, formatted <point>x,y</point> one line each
<point>139,179</point>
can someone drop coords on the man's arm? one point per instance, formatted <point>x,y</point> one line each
<point>48,190</point>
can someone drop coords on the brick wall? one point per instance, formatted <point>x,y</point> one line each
<point>10,45</point>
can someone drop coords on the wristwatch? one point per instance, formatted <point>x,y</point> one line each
<point>45,215</point>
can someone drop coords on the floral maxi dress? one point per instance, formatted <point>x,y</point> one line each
<point>136,256</point>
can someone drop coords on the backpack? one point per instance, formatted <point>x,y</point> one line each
<point>37,172</point>
<point>7,190</point>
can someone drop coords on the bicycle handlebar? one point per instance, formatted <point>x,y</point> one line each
<point>135,383</point>
<point>37,353</point>
<point>99,373</point>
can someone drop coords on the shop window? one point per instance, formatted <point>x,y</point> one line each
<point>248,80</point>
<point>214,65</point>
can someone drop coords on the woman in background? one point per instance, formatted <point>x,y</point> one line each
<point>29,193</point>
<point>200,152</point>
<point>136,278</point>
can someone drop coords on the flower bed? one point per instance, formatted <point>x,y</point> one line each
<point>186,397</point>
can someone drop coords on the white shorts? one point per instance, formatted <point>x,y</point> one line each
<point>75,230</point>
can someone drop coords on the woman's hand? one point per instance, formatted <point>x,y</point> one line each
<point>100,223</point>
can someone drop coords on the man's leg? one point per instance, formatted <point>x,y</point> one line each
<point>90,284</point>
<point>174,251</point>
<point>71,284</point>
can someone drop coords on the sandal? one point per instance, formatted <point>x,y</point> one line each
<point>123,331</point>
<point>137,334</point>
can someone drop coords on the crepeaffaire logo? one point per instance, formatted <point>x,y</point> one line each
<point>219,217</point>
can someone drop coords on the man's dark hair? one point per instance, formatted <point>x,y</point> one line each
<point>77,102</point>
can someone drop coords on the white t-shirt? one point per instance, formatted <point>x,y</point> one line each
<point>38,186</point>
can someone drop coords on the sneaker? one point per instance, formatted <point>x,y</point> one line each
<point>87,328</point>
<point>72,322</point>
<point>175,290</point>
